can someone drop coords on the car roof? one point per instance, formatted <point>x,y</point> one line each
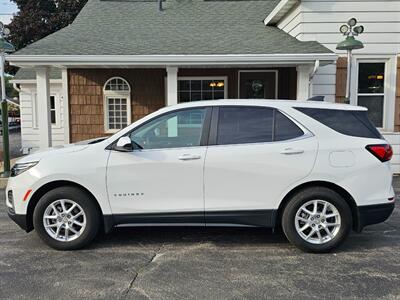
<point>268,102</point>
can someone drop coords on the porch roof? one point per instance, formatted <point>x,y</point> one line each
<point>197,27</point>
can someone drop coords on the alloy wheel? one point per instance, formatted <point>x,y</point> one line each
<point>317,221</point>
<point>64,220</point>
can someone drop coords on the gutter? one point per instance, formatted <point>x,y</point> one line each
<point>168,60</point>
<point>316,66</point>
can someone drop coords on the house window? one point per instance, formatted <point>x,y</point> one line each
<point>371,90</point>
<point>54,110</point>
<point>53,117</point>
<point>201,88</point>
<point>117,111</point>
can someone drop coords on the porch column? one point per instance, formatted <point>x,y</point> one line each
<point>43,107</point>
<point>172,86</point>
<point>303,82</point>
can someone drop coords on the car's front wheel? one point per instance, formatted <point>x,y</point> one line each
<point>66,218</point>
<point>317,219</point>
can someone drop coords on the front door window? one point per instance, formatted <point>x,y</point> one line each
<point>258,85</point>
<point>174,130</point>
<point>371,81</point>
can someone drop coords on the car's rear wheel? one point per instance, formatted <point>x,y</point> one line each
<point>66,218</point>
<point>317,219</point>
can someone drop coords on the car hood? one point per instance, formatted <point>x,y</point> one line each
<point>57,150</point>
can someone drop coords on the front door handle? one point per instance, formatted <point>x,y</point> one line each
<point>289,151</point>
<point>189,157</point>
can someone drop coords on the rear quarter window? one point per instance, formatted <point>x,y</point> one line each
<point>349,122</point>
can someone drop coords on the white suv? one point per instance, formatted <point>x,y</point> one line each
<point>317,170</point>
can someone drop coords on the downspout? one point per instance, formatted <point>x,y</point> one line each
<point>15,86</point>
<point>316,66</point>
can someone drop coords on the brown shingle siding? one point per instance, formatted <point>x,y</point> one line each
<point>341,75</point>
<point>86,97</point>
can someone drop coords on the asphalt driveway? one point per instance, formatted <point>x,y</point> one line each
<point>196,263</point>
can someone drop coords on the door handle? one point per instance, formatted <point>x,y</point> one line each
<point>289,151</point>
<point>189,157</point>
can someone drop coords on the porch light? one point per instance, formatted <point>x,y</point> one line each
<point>350,30</point>
<point>5,47</point>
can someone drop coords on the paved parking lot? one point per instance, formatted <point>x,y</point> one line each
<point>196,263</point>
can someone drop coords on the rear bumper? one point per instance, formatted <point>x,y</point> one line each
<point>19,219</point>
<point>373,214</point>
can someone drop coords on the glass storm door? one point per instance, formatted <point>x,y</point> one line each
<point>257,85</point>
<point>371,86</point>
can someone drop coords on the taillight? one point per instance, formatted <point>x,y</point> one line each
<point>382,152</point>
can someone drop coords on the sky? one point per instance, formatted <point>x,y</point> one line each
<point>7,9</point>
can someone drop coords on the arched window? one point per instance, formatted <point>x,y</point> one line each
<point>117,104</point>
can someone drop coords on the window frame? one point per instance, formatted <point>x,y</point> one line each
<point>204,134</point>
<point>224,78</point>
<point>57,109</point>
<point>374,94</point>
<point>389,98</point>
<point>107,94</point>
<point>213,136</point>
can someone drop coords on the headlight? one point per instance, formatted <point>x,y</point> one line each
<point>22,167</point>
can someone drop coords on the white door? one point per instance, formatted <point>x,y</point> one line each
<point>257,154</point>
<point>164,173</point>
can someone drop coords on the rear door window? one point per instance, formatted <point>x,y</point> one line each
<point>243,125</point>
<point>348,122</point>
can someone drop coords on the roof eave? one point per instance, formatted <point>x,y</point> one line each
<point>283,7</point>
<point>167,60</point>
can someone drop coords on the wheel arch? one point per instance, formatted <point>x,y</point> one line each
<point>340,190</point>
<point>38,194</point>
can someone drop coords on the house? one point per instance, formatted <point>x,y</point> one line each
<point>123,59</point>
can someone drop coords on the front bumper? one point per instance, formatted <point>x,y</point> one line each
<point>19,219</point>
<point>373,214</point>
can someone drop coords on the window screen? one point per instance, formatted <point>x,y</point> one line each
<point>348,122</point>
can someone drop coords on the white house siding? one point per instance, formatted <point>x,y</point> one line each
<point>30,132</point>
<point>312,20</point>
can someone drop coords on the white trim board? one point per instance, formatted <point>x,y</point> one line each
<point>167,60</point>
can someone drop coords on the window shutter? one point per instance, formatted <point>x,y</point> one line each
<point>341,74</point>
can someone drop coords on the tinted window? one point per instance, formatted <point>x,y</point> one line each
<point>240,125</point>
<point>349,122</point>
<point>173,130</point>
<point>285,129</point>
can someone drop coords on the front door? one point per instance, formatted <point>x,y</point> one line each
<point>258,153</point>
<point>165,172</point>
<point>257,84</point>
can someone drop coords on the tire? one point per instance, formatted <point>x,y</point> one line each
<point>337,211</point>
<point>88,220</point>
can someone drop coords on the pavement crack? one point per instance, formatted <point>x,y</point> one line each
<point>141,269</point>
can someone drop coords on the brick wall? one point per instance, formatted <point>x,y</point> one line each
<point>86,97</point>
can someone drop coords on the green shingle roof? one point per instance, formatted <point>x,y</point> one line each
<point>134,27</point>
<point>22,74</point>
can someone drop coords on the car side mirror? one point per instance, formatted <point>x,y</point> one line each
<point>124,144</point>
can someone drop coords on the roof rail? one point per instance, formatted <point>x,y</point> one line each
<point>316,98</point>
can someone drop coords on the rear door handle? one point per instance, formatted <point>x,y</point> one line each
<point>189,157</point>
<point>289,151</point>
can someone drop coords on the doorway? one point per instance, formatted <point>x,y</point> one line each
<point>258,84</point>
